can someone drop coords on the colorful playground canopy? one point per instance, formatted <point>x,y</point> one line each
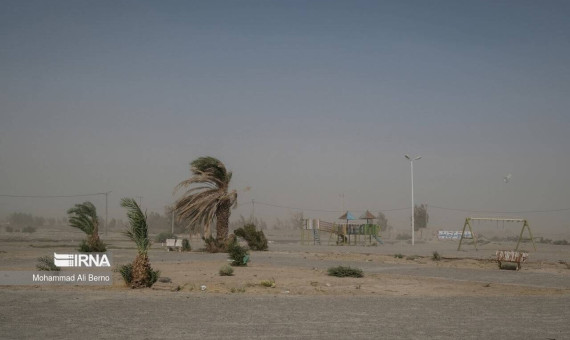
<point>347,216</point>
<point>367,216</point>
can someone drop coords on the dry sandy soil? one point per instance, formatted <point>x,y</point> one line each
<point>465,284</point>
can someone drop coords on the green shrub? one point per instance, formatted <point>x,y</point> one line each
<point>238,254</point>
<point>509,266</point>
<point>214,246</point>
<point>268,283</point>
<point>127,274</point>
<point>399,256</point>
<point>186,245</point>
<point>341,271</point>
<point>226,270</point>
<point>162,237</point>
<point>560,243</point>
<point>153,276</point>
<point>29,229</point>
<point>255,239</point>
<point>84,247</point>
<point>436,256</point>
<point>95,247</point>
<point>46,263</point>
<point>9,229</point>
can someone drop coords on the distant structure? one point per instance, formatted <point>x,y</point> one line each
<point>345,233</point>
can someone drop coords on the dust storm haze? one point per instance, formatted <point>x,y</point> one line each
<point>312,105</point>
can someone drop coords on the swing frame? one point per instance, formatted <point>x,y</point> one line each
<point>521,220</point>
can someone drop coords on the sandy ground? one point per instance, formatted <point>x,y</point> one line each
<point>464,294</point>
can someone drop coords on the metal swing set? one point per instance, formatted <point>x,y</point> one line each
<point>468,221</point>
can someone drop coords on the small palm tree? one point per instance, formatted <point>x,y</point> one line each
<point>210,198</point>
<point>141,274</point>
<point>84,217</point>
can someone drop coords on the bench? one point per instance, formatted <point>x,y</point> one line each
<point>173,243</point>
<point>511,256</point>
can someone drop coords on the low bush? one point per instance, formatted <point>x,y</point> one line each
<point>255,239</point>
<point>214,246</point>
<point>399,256</point>
<point>226,270</point>
<point>560,243</point>
<point>29,229</point>
<point>508,266</point>
<point>46,263</point>
<point>186,245</point>
<point>341,271</point>
<point>435,256</point>
<point>163,236</point>
<point>127,274</point>
<point>238,254</point>
<point>268,283</point>
<point>9,229</point>
<point>95,247</point>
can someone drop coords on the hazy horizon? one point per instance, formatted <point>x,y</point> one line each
<point>303,101</point>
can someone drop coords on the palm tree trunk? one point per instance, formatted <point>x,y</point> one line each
<point>141,270</point>
<point>93,240</point>
<point>223,221</point>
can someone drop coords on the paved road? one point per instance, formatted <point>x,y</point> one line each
<point>151,315</point>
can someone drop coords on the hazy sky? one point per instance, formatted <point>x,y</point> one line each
<point>302,100</point>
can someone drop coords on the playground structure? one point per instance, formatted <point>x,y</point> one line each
<point>468,221</point>
<point>341,233</point>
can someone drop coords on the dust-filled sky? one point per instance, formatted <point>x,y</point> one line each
<point>304,101</point>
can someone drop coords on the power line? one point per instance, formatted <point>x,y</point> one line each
<point>318,210</point>
<point>52,196</point>
<point>400,209</point>
<point>501,212</point>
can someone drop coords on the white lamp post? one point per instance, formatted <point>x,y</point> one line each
<point>412,170</point>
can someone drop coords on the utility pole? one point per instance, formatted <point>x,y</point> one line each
<point>172,221</point>
<point>252,210</point>
<point>413,207</point>
<point>106,212</point>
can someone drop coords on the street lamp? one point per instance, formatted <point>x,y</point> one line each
<point>412,171</point>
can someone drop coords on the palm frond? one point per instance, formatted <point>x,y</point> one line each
<point>138,228</point>
<point>206,194</point>
<point>84,217</point>
<point>212,166</point>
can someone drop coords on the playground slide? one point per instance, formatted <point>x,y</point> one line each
<point>378,239</point>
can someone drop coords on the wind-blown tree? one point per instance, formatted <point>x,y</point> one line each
<point>83,216</point>
<point>383,222</point>
<point>421,218</point>
<point>208,196</point>
<point>139,274</point>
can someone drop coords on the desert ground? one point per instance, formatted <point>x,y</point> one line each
<point>464,295</point>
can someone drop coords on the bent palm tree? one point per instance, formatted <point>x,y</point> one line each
<point>142,274</point>
<point>84,217</point>
<point>210,198</point>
